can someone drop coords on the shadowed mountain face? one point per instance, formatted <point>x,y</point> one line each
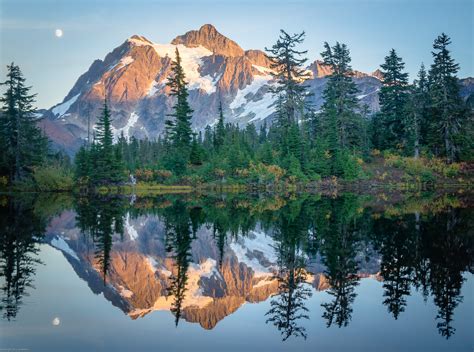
<point>202,258</point>
<point>133,77</point>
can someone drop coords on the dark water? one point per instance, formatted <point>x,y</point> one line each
<point>236,273</point>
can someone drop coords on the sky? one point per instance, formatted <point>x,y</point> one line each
<point>92,28</point>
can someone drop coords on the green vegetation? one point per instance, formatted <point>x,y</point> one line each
<point>26,162</point>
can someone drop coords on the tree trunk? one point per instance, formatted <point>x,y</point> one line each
<point>17,148</point>
<point>417,139</point>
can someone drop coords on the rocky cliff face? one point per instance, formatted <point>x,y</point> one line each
<point>132,77</point>
<point>208,37</point>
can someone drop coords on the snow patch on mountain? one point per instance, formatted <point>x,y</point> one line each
<point>132,120</point>
<point>362,96</point>
<point>245,94</point>
<point>208,268</point>
<point>124,292</point>
<point>132,233</point>
<point>127,60</point>
<point>191,60</point>
<point>246,249</point>
<point>154,87</point>
<point>61,109</point>
<point>61,244</point>
<point>152,263</point>
<point>261,108</point>
<point>263,69</point>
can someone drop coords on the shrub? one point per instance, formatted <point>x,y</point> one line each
<point>261,173</point>
<point>53,178</point>
<point>3,181</point>
<point>423,167</point>
<point>162,175</point>
<point>349,165</point>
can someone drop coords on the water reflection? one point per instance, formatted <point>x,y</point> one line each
<point>21,228</point>
<point>203,257</point>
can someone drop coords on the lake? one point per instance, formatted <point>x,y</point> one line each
<point>237,272</point>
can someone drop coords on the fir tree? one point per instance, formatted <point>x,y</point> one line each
<point>339,124</point>
<point>179,130</point>
<point>196,153</point>
<point>23,144</point>
<point>287,63</point>
<point>449,116</point>
<point>178,244</point>
<point>82,167</point>
<point>108,166</point>
<point>417,111</point>
<point>219,132</point>
<point>22,231</point>
<point>393,99</point>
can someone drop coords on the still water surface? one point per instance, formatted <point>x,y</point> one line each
<point>236,273</point>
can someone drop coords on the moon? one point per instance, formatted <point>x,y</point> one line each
<point>56,321</point>
<point>58,33</point>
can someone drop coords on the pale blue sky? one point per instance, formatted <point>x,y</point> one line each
<point>93,28</point>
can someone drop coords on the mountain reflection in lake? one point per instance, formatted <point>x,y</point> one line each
<point>316,270</point>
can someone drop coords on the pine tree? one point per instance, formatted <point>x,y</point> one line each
<point>417,111</point>
<point>23,144</point>
<point>287,63</point>
<point>219,132</point>
<point>108,164</point>
<point>339,124</point>
<point>393,98</point>
<point>196,153</point>
<point>262,135</point>
<point>82,167</point>
<point>449,116</point>
<point>179,129</point>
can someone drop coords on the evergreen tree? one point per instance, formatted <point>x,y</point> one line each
<point>339,124</point>
<point>339,245</point>
<point>178,240</point>
<point>262,134</point>
<point>196,153</point>
<point>179,130</point>
<point>82,167</point>
<point>287,63</point>
<point>108,167</point>
<point>393,98</point>
<point>288,306</point>
<point>23,144</point>
<point>417,111</point>
<point>219,132</point>
<point>449,115</point>
<point>22,231</point>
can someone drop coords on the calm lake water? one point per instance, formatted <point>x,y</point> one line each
<point>237,273</point>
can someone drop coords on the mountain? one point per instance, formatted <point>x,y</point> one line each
<point>133,77</point>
